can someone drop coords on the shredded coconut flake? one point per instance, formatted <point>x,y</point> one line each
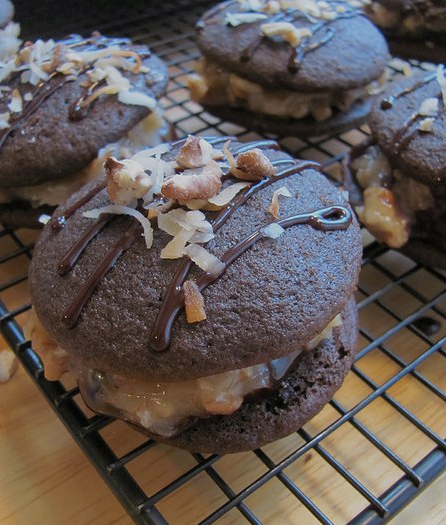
<point>273,230</point>
<point>442,81</point>
<point>274,206</point>
<point>125,210</point>
<point>236,19</point>
<point>136,98</point>
<point>4,120</point>
<point>228,193</point>
<point>429,107</point>
<point>174,249</point>
<point>204,259</point>
<point>426,125</point>
<point>150,153</point>
<point>193,302</point>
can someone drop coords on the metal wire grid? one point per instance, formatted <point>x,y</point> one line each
<point>396,349</point>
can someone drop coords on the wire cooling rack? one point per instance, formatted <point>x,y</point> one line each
<point>367,454</point>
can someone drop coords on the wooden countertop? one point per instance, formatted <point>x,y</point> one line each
<point>45,478</point>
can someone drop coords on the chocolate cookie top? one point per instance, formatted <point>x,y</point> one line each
<point>6,12</point>
<point>109,299</point>
<point>306,47</point>
<point>409,123</point>
<point>61,102</point>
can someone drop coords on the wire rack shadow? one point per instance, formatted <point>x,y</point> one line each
<point>368,453</point>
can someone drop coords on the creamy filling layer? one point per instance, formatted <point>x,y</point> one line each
<point>391,200</point>
<point>145,134</point>
<point>163,408</point>
<point>215,86</point>
<point>412,24</point>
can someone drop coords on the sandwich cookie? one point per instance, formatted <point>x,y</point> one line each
<point>296,67</point>
<point>397,179</point>
<point>64,106</point>
<point>414,28</point>
<point>205,295</point>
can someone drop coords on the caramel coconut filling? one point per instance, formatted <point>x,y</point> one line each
<point>164,408</point>
<point>390,199</point>
<point>412,24</point>
<point>215,86</point>
<point>145,134</point>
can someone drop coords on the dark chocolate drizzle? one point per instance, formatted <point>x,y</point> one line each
<point>387,103</point>
<point>58,221</point>
<point>402,137</point>
<point>327,219</point>
<point>66,264</point>
<point>71,315</point>
<point>44,90</point>
<point>297,54</point>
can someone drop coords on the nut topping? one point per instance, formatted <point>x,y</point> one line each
<point>191,185</point>
<point>254,165</point>
<point>126,180</point>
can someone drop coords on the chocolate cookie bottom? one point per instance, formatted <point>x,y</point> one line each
<point>274,414</point>
<point>306,127</point>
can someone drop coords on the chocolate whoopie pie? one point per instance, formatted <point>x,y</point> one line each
<point>397,179</point>
<point>414,28</point>
<point>298,67</point>
<point>63,106</point>
<point>206,297</point>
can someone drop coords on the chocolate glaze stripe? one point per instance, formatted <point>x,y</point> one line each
<point>71,315</point>
<point>326,219</point>
<point>332,218</point>
<point>58,222</point>
<point>297,53</point>
<point>387,103</point>
<point>160,336</point>
<point>68,261</point>
<point>40,94</point>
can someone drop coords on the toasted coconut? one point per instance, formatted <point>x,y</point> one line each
<point>193,302</point>
<point>225,196</point>
<point>429,107</point>
<point>125,210</point>
<point>204,259</point>
<point>231,162</point>
<point>274,206</point>
<point>442,81</point>
<point>273,230</point>
<point>16,103</point>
